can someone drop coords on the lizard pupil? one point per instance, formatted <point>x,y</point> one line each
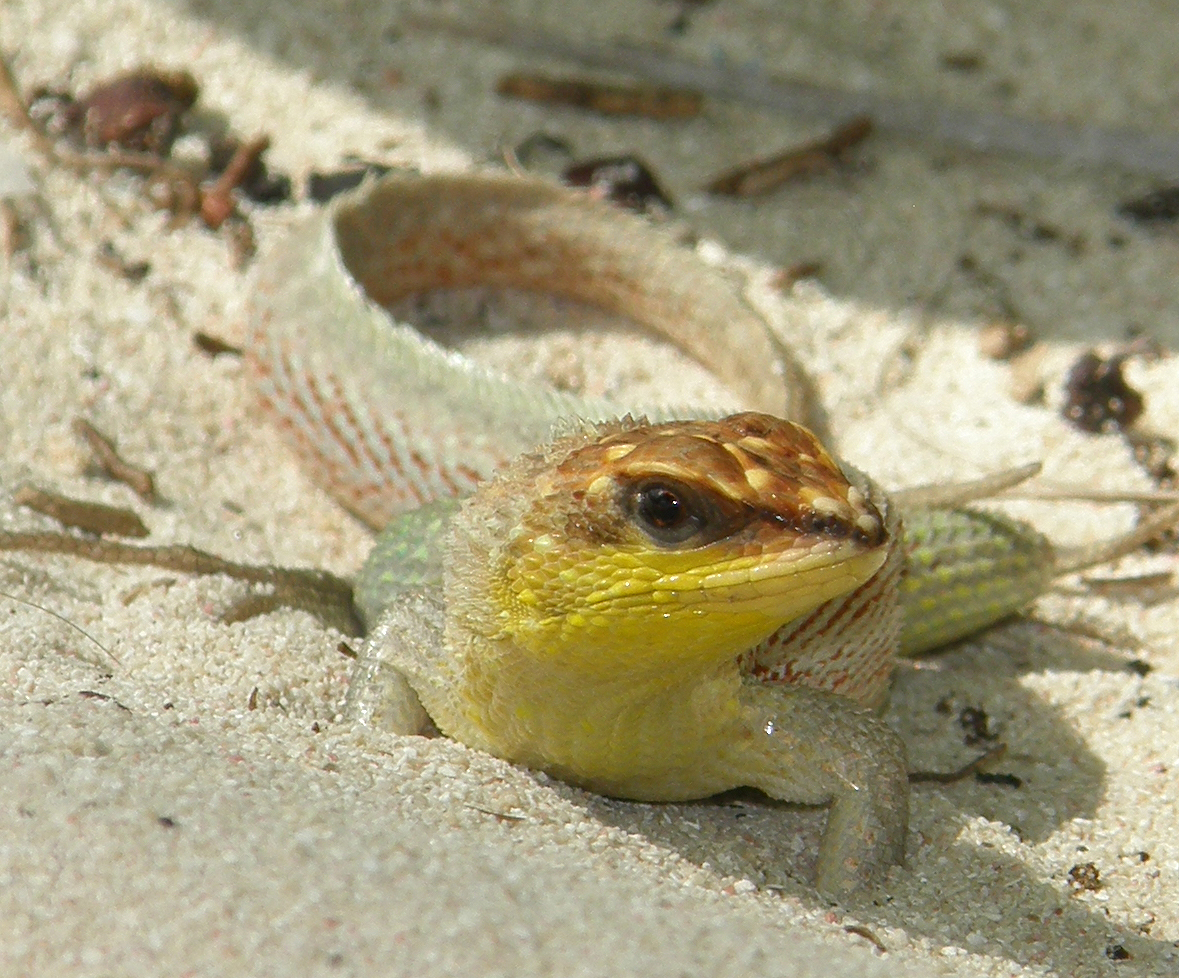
<point>661,508</point>
<point>669,514</point>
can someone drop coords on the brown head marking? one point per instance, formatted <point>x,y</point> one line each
<point>746,474</point>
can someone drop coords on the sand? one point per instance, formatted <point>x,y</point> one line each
<point>182,797</point>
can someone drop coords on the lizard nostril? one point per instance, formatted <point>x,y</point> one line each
<point>868,530</point>
<point>827,524</point>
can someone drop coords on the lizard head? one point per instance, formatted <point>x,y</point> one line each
<point>639,546</point>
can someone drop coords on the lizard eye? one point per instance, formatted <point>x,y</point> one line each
<point>669,514</point>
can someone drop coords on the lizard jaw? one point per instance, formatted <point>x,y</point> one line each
<point>689,621</point>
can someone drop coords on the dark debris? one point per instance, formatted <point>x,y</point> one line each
<point>1159,206</point>
<point>322,187</point>
<point>623,180</point>
<point>1084,877</point>
<point>1097,397</point>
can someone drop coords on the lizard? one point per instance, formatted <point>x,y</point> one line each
<point>654,609</point>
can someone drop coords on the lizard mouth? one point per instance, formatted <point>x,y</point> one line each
<point>781,586</point>
<point>650,615</point>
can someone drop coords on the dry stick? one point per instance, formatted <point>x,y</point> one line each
<point>322,594</point>
<point>634,100</point>
<point>1114,586</point>
<point>1070,559</point>
<point>1057,493</point>
<point>13,106</point>
<point>949,777</point>
<point>1009,484</point>
<point>81,514</point>
<point>1145,152</point>
<point>109,460</point>
<point>217,204</point>
<point>960,493</point>
<point>766,174</point>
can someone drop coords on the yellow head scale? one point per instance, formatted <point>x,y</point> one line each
<point>651,547</point>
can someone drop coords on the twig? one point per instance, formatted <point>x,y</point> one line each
<point>217,204</point>
<point>108,459</point>
<point>764,175</point>
<point>1054,494</point>
<point>637,100</point>
<point>949,777</point>
<point>1145,152</point>
<point>324,595</point>
<point>81,513</point>
<point>1070,559</point>
<point>960,493</point>
<point>14,107</point>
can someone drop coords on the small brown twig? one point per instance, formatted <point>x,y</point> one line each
<point>217,203</point>
<point>318,592</point>
<point>172,186</point>
<point>1152,152</point>
<point>762,176</point>
<point>110,462</point>
<point>949,777</point>
<point>13,106</point>
<point>648,101</point>
<point>82,514</point>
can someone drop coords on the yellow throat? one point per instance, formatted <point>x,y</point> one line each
<point>595,587</point>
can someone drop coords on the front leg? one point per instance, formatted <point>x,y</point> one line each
<point>807,746</point>
<point>407,635</point>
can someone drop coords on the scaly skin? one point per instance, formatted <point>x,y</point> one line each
<point>543,622</point>
<point>580,639</point>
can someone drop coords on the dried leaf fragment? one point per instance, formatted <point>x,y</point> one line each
<point>139,110</point>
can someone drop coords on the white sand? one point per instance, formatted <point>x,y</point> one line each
<point>165,828</point>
